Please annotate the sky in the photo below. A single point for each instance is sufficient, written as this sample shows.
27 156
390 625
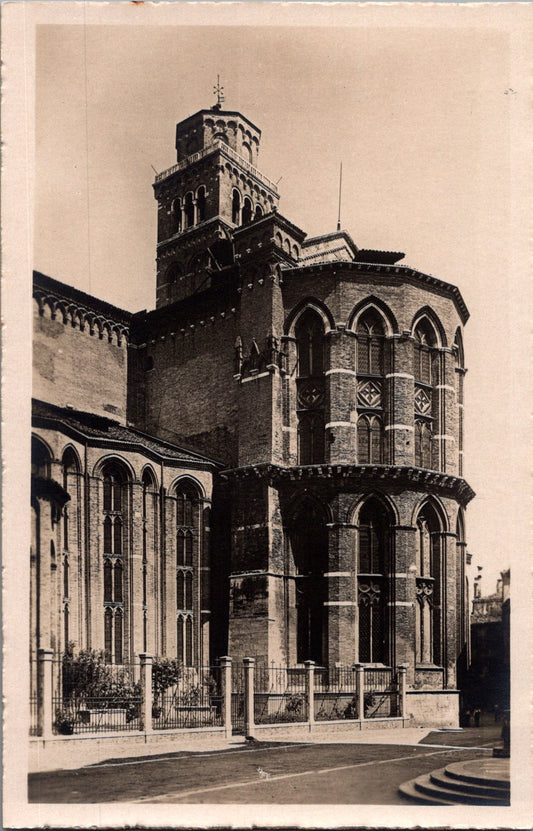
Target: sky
421 117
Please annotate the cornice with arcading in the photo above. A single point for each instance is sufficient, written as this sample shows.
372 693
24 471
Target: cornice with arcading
93 317
361 475
403 272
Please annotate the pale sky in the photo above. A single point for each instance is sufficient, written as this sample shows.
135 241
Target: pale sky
420 117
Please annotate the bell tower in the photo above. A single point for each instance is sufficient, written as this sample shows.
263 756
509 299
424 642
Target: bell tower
213 189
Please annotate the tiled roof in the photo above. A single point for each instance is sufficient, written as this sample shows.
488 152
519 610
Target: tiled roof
100 430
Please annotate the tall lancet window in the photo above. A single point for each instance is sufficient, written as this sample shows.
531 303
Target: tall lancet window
370 387
310 382
426 372
114 515
149 531
373 567
308 538
188 545
459 386
428 579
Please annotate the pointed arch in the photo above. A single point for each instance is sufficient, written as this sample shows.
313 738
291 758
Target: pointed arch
307 544
354 510
70 459
374 564
309 334
459 348
426 317
149 479
431 522
309 303
435 506
380 307
41 457
112 460
186 482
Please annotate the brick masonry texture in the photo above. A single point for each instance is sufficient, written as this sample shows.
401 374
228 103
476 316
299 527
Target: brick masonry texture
216 368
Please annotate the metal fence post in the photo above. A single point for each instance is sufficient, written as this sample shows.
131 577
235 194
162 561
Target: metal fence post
225 677
146 692
44 693
310 684
249 722
402 685
360 690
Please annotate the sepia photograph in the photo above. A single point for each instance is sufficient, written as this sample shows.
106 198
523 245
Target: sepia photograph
266 294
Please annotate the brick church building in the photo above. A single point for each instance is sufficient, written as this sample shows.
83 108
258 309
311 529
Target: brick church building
270 462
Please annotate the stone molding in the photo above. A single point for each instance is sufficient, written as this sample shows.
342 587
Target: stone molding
360 475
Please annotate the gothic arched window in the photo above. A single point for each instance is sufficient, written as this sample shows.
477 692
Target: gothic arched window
428 647
309 546
188 555
426 372
373 567
258 212
114 517
371 344
40 459
425 343
149 532
369 440
310 382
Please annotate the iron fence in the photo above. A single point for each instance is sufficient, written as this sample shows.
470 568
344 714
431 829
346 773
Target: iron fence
335 694
280 695
380 690
94 697
195 700
89 695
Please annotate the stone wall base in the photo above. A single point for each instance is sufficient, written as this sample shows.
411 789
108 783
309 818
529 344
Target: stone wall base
433 708
69 752
264 732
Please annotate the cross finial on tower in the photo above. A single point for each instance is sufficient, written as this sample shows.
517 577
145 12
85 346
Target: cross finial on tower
219 92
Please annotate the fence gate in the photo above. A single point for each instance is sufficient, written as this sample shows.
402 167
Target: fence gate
237 699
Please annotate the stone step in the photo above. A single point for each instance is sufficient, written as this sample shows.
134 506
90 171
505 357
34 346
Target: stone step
475 782
425 785
409 791
493 772
442 778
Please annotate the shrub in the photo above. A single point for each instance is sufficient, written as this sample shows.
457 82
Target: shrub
87 680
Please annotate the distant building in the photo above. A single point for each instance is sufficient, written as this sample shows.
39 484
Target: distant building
270 463
488 679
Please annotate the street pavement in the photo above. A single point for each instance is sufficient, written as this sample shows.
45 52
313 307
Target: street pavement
334 772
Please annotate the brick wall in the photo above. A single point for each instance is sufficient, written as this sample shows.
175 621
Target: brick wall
73 367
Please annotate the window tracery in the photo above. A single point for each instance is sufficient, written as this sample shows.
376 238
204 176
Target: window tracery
370 335
188 542
113 567
372 582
